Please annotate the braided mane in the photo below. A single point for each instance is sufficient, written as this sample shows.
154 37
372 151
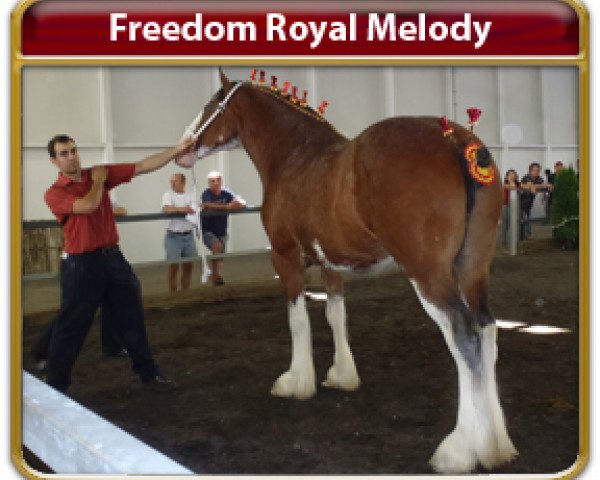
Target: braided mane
307 110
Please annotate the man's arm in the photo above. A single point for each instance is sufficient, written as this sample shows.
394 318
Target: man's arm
172 209
119 211
168 207
91 200
158 160
216 206
235 204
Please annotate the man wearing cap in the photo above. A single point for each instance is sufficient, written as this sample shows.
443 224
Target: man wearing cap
179 237
214 227
93 269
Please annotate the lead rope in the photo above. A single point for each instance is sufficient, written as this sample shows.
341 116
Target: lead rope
191 131
206 271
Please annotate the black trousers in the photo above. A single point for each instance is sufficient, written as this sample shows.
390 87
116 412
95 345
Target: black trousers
87 281
111 345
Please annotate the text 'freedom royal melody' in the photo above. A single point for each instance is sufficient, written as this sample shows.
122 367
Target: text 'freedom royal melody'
379 27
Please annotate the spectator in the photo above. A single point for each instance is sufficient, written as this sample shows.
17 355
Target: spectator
531 184
179 237
551 176
214 227
93 269
511 182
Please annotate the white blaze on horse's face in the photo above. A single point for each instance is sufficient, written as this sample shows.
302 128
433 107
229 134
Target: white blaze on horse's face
221 134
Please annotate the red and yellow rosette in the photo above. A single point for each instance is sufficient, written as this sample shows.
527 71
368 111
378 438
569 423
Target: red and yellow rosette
483 175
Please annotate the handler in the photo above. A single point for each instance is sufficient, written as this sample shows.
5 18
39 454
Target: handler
93 269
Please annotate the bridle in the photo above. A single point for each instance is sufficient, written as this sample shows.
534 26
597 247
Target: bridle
191 129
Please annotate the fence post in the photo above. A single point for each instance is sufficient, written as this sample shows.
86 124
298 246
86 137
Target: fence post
514 218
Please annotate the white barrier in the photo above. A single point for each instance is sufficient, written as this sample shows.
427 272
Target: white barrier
70 439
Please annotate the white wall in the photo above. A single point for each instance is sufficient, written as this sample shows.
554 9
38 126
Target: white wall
122 114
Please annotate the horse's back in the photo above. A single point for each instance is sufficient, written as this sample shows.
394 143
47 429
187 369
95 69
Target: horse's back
406 146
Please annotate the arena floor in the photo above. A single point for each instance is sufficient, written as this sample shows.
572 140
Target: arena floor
226 347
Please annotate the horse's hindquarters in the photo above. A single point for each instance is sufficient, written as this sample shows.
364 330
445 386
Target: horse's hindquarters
410 191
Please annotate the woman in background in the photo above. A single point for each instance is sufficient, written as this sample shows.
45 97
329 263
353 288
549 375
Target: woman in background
511 182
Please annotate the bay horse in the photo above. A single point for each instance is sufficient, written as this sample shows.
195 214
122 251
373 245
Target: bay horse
398 192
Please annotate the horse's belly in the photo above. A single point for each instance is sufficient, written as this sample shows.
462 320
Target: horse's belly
346 257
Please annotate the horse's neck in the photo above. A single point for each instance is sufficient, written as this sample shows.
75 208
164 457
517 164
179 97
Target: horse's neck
274 133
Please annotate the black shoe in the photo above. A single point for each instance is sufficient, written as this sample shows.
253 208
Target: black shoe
160 384
41 366
123 353
219 281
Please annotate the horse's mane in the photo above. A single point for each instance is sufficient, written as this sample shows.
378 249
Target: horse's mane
306 110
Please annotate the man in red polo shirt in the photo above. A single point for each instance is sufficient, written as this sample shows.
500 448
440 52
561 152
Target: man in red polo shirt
93 269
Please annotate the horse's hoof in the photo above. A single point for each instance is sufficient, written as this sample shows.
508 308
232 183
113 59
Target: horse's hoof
504 453
290 385
454 456
348 381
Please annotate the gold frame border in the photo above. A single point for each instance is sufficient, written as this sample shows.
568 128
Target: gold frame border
18 61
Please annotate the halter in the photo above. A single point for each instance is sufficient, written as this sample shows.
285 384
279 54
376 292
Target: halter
191 129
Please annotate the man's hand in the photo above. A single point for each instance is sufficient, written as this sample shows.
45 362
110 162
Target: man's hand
185 143
99 174
119 211
236 204
159 160
90 201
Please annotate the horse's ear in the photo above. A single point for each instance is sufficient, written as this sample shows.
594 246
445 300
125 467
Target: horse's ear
225 83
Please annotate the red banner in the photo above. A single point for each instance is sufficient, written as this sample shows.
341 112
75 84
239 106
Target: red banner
238 29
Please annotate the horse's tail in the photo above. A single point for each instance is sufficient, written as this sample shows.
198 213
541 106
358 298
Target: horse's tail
483 207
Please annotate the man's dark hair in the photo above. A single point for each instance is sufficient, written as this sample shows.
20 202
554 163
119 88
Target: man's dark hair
60 138
534 164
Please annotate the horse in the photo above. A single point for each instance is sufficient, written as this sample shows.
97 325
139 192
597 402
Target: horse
399 192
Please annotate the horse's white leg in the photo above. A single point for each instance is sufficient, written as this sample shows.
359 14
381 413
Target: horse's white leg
505 450
480 434
299 380
342 373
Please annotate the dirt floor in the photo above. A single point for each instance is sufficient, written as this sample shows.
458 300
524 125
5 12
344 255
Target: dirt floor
226 354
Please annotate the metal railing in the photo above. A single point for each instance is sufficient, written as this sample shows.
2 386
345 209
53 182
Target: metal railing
33 224
514 230
515 217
